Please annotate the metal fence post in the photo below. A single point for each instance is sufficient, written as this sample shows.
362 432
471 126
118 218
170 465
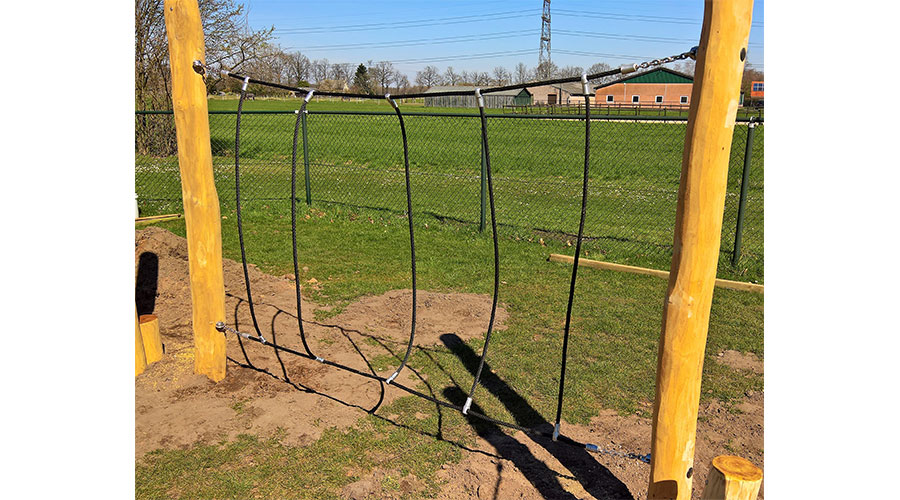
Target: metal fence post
481 219
306 161
742 204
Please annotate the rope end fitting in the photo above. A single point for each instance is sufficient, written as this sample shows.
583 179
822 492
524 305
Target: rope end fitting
592 447
391 378
309 95
465 409
320 360
693 55
393 102
220 326
556 431
628 68
584 84
479 97
246 81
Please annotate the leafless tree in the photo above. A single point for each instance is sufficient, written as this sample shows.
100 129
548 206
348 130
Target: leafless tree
570 71
450 77
229 44
501 76
298 68
599 68
429 77
523 74
321 70
342 71
384 73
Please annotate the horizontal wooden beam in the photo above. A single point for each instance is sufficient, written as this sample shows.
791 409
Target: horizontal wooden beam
609 266
156 218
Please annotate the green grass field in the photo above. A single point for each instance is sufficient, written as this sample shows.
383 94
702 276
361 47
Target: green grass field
356 160
615 329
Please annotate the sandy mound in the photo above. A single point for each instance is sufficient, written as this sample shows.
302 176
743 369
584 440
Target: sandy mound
175 408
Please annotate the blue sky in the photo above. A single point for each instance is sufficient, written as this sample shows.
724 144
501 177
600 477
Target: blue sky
479 35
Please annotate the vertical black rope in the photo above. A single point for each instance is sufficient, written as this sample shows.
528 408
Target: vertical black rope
584 196
300 115
490 183
240 227
412 240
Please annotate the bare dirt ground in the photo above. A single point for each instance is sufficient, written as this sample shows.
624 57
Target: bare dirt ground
176 409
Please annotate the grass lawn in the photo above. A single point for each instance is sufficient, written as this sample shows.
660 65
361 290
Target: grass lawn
616 323
356 160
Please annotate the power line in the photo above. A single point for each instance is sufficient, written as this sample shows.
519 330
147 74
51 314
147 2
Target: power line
419 23
635 17
639 38
420 41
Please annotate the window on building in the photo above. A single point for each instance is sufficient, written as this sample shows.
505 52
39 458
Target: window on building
684 99
609 98
659 99
758 87
635 98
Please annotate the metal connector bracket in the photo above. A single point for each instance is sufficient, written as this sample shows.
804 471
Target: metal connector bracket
628 68
391 378
479 97
584 84
465 409
592 447
246 81
320 360
555 431
393 102
309 95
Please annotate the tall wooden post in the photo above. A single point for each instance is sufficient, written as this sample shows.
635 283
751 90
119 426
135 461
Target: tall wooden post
201 203
698 229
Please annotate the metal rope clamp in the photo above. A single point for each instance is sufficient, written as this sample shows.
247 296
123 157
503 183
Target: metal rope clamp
393 102
246 81
584 84
480 105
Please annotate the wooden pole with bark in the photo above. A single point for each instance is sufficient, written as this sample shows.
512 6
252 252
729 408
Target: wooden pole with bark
201 203
698 229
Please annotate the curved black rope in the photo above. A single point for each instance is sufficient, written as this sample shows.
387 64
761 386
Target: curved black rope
240 226
584 196
490 185
300 115
446 404
412 241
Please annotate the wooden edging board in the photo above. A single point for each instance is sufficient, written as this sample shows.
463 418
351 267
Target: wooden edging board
733 285
156 218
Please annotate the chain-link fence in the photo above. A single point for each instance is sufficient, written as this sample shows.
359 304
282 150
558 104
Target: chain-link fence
356 159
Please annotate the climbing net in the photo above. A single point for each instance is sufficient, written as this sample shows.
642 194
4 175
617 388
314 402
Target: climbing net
478 93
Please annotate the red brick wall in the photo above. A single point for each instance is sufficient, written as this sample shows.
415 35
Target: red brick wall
622 92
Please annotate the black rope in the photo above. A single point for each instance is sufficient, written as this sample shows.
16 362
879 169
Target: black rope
584 196
240 227
412 240
300 115
490 185
488 90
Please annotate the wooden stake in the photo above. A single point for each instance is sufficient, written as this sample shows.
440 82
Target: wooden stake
732 478
698 230
153 348
201 203
609 266
140 361
156 218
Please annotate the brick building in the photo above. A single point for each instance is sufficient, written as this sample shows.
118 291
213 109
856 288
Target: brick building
658 87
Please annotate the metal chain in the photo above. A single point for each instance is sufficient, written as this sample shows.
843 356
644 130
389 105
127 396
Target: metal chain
692 54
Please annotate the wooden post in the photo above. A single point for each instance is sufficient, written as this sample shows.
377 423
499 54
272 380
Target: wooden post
698 230
201 203
732 478
153 349
140 361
